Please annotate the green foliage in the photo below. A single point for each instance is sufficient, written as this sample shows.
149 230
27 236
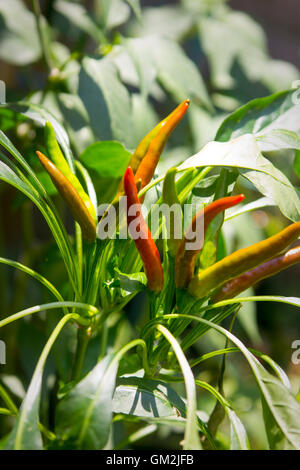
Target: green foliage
122 360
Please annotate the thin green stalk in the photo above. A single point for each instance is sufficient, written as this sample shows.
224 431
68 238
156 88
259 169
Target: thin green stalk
40 308
42 36
35 275
191 438
8 401
83 336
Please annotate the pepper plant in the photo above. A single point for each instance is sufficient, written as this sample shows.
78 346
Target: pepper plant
127 316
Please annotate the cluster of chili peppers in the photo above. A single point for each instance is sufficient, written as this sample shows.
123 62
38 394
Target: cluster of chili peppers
226 278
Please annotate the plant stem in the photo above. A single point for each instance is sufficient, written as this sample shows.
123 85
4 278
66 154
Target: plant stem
83 336
41 32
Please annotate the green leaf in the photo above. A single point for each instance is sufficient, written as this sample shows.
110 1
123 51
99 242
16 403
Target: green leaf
109 161
278 139
136 7
106 100
39 114
243 153
168 64
10 177
236 48
171 21
25 433
19 41
281 409
84 415
262 117
297 164
133 282
146 398
79 17
238 435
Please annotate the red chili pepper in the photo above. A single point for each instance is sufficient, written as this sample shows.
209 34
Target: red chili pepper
186 258
269 268
144 243
149 162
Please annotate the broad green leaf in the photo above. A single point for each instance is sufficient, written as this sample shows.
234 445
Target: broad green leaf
117 13
25 433
19 41
281 409
136 7
277 113
144 117
236 48
106 100
171 21
278 139
251 206
146 398
108 160
78 16
167 63
84 415
76 121
238 435
129 283
243 153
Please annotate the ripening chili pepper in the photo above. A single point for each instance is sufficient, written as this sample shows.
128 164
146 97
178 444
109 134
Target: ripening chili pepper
143 146
242 261
170 197
71 197
146 168
144 242
61 163
269 268
186 258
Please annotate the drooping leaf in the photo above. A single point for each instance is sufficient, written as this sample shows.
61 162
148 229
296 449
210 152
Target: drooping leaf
19 41
106 100
262 117
146 398
243 153
84 415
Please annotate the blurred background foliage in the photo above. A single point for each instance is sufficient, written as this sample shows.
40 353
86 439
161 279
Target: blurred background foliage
109 70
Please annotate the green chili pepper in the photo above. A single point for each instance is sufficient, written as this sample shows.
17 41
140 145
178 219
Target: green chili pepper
71 197
186 258
61 163
170 197
144 242
263 271
242 261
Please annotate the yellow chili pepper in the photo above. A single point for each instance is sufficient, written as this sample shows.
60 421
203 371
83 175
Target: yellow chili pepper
71 197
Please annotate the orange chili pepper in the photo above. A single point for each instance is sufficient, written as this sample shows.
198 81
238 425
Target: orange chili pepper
146 168
186 258
269 268
72 198
144 243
